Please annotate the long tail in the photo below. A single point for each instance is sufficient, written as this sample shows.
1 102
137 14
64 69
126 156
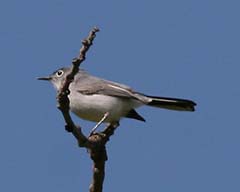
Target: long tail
172 103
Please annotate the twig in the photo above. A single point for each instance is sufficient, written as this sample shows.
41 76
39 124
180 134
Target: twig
96 142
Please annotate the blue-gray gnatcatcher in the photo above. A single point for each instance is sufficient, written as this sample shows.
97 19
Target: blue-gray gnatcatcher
91 98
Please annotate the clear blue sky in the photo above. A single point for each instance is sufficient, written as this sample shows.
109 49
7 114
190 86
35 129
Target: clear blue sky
187 49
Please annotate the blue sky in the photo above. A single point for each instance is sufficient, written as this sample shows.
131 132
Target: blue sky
187 49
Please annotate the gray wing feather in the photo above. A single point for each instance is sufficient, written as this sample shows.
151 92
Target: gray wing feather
88 85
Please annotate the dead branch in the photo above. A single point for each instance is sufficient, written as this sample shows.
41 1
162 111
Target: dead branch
96 142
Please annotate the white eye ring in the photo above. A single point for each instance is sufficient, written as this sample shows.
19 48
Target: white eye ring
59 73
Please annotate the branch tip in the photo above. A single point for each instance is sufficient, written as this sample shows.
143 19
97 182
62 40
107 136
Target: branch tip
96 29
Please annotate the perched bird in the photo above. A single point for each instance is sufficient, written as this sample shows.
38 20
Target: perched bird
95 99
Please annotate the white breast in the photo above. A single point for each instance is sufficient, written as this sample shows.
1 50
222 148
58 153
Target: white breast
93 107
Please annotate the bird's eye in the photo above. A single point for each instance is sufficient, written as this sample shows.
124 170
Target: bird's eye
59 73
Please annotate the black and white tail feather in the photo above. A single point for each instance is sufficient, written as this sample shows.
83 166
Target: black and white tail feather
165 103
172 103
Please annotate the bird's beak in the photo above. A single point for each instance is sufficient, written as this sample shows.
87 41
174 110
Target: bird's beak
44 78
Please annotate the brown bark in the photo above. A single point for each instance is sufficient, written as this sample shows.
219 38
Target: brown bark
96 142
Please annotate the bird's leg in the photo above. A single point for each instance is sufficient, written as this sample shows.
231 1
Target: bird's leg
105 116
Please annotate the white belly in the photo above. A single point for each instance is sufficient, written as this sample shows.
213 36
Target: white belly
93 107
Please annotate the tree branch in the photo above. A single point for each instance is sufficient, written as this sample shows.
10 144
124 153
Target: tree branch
96 142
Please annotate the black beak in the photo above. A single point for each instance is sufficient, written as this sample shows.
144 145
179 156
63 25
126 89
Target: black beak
44 78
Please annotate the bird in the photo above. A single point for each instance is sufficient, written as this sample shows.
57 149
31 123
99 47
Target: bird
99 100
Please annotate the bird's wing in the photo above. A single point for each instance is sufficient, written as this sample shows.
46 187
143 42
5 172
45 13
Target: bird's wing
104 87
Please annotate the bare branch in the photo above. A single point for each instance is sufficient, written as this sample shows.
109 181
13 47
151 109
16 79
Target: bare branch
96 142
99 156
62 96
